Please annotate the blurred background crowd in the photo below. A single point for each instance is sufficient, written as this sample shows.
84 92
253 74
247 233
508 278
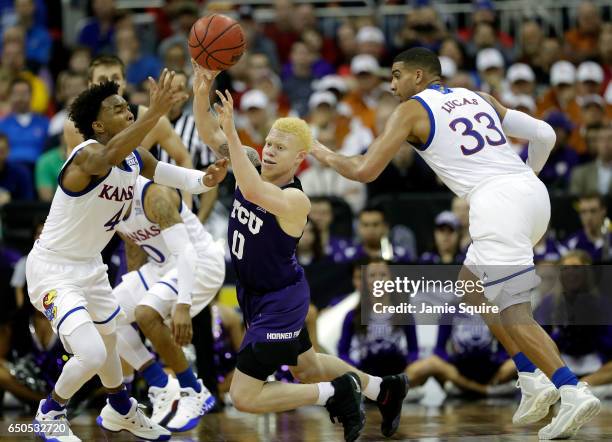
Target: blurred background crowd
329 63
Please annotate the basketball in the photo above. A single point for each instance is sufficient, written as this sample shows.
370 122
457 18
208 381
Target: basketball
216 42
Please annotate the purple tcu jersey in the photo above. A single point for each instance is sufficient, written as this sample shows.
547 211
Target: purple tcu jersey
262 253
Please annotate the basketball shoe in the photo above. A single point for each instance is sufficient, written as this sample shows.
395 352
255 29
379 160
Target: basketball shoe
393 390
162 400
134 422
53 426
345 405
538 393
578 406
191 407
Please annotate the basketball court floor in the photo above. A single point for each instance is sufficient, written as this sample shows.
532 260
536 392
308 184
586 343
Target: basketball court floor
454 420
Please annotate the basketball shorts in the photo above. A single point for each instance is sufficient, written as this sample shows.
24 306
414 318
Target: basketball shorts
508 216
70 293
275 330
157 287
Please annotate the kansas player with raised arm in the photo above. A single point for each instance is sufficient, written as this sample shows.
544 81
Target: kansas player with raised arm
67 280
461 134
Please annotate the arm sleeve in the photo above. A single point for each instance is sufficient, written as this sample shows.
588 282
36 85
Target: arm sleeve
189 180
541 136
177 240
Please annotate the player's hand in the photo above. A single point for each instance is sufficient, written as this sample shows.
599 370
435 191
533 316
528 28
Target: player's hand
202 79
215 173
162 95
320 152
225 111
182 331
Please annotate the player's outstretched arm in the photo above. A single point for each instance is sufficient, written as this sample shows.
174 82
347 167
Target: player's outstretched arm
161 206
206 121
367 167
290 204
540 135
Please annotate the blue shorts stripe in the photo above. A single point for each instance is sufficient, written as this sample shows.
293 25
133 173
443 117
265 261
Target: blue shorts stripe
143 280
68 314
497 281
165 283
115 313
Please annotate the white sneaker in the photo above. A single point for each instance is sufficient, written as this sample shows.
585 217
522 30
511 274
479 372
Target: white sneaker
134 421
538 393
163 398
578 406
191 407
53 426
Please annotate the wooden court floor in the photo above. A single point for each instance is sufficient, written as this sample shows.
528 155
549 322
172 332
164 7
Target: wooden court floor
483 420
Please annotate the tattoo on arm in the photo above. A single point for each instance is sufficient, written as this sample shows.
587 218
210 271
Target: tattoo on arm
161 206
223 150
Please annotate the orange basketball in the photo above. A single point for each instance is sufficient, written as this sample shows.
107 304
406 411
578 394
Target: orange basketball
216 42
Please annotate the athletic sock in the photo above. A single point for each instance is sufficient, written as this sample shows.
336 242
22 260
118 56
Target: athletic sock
564 376
155 375
187 379
372 390
523 364
120 401
326 390
51 404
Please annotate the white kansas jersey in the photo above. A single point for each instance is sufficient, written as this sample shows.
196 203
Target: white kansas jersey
148 235
466 144
80 224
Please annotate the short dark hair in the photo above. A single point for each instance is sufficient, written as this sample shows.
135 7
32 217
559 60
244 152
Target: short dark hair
105 60
86 107
374 209
593 196
20 80
420 58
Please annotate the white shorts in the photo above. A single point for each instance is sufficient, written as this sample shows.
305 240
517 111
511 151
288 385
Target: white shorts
70 293
508 216
157 287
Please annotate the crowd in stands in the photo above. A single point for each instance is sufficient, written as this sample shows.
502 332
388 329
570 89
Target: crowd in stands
335 74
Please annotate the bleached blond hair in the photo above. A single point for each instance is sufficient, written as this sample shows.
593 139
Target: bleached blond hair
297 127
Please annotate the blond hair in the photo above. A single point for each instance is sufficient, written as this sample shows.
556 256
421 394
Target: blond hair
297 127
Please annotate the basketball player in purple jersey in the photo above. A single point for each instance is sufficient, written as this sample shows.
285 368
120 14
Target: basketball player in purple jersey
268 217
461 134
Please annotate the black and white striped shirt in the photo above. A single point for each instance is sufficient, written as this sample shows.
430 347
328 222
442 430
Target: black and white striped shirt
201 155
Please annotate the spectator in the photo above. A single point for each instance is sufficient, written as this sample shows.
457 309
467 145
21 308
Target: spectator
257 120
490 66
550 53
592 116
346 40
380 348
322 215
138 66
5 86
37 38
13 61
605 53
449 69
69 86
595 176
373 239
423 27
484 13
563 158
14 178
79 61
26 130
581 41
176 57
594 237
309 248
371 40
485 38
446 241
182 16
461 209
532 38
454 50
314 41
363 100
521 79
547 249
257 42
589 77
47 170
97 32
297 85
282 31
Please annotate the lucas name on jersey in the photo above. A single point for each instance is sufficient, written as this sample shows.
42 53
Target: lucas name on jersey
114 193
246 217
450 105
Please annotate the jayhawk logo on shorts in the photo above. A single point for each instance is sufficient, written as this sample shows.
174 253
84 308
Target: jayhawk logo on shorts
50 308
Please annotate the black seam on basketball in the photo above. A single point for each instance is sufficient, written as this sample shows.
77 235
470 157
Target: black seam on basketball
228 49
200 54
220 34
216 59
212 17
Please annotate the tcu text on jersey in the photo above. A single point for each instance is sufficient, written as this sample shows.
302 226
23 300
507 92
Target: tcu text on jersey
246 217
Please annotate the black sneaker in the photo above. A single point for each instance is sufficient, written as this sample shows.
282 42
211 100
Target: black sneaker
393 390
345 405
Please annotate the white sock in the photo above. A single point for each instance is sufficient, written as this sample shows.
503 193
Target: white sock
129 378
326 390
373 389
